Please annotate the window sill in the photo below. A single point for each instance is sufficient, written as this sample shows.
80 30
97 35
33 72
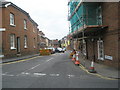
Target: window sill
12 25
13 48
25 29
25 47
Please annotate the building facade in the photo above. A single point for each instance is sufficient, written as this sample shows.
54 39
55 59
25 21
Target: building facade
95 30
19 31
55 43
42 40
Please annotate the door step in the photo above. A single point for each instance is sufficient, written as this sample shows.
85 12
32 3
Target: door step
18 55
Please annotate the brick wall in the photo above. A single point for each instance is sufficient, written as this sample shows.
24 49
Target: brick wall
19 31
110 37
110 15
110 18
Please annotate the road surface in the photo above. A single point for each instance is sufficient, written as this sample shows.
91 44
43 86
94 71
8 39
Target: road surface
54 71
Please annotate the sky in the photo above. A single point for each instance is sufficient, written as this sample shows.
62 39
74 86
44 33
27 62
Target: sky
50 15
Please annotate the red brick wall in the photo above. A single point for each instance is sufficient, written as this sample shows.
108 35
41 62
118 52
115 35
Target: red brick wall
110 18
110 15
19 31
110 37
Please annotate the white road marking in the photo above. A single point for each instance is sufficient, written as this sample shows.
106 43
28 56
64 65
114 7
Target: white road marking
25 73
54 75
69 76
39 64
5 74
40 74
49 59
10 75
35 66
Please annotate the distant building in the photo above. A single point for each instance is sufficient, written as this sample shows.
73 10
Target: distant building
55 43
95 30
42 40
19 31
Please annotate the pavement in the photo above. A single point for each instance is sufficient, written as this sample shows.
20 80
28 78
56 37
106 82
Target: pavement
101 69
18 58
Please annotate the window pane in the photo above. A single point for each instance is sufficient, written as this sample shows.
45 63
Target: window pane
25 41
25 24
12 41
11 19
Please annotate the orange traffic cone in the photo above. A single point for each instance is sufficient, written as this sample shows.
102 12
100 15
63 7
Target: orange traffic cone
73 58
77 62
92 69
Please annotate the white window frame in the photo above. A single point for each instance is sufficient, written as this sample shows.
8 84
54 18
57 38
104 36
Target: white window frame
12 19
12 41
100 49
25 24
25 42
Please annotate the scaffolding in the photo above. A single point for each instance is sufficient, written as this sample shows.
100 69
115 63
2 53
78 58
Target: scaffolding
84 14
84 17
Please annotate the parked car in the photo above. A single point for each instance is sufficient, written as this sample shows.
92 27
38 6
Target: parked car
59 50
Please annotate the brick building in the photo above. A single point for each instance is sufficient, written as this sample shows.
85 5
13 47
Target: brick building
19 31
95 30
55 43
42 38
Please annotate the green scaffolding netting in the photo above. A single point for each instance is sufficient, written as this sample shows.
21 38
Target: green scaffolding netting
88 13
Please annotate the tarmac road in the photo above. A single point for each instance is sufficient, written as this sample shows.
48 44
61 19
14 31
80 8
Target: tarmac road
55 71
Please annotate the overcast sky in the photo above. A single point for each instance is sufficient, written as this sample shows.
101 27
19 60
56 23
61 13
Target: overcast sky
51 15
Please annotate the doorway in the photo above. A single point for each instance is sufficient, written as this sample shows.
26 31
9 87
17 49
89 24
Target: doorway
18 45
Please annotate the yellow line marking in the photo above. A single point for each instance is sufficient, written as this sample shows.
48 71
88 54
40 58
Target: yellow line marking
103 77
20 60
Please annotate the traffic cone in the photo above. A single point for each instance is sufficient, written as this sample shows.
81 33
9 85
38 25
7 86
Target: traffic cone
92 69
77 62
73 58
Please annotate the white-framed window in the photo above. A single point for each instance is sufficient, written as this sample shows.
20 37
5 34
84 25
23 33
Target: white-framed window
100 50
12 19
25 41
12 41
25 24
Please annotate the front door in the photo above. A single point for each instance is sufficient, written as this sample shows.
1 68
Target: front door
18 45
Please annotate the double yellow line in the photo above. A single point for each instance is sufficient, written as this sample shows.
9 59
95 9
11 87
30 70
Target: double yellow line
20 60
95 74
